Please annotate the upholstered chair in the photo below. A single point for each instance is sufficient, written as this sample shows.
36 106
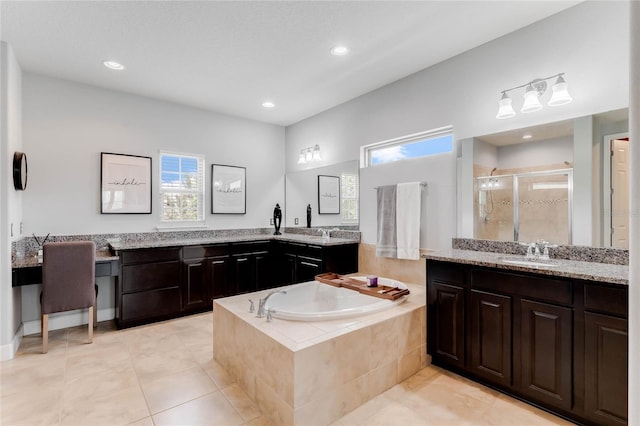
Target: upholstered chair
68 277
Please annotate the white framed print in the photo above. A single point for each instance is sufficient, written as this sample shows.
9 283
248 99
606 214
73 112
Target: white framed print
228 189
125 182
328 194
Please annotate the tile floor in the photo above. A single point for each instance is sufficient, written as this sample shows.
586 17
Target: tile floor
164 374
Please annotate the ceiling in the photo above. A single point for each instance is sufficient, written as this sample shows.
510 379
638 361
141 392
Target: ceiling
231 56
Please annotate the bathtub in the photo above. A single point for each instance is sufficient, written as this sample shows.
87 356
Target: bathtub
314 301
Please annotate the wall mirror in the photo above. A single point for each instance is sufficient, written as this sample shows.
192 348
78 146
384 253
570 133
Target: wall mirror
301 190
519 184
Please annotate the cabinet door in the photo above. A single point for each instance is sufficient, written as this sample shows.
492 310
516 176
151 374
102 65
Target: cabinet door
264 276
307 268
288 272
446 323
546 356
194 284
606 367
219 285
491 337
244 273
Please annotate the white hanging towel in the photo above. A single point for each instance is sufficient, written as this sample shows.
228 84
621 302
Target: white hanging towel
408 220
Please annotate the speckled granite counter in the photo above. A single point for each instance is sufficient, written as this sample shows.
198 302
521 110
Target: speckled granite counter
297 238
592 271
26 262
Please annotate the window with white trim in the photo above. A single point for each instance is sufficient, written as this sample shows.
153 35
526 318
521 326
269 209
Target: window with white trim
181 188
349 197
431 142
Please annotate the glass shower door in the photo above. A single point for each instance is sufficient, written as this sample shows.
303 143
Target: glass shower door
544 207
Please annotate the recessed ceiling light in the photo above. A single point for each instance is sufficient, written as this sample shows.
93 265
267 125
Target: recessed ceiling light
339 50
527 136
268 104
113 65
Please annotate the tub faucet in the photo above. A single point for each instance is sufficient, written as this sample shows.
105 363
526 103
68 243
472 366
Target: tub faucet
263 302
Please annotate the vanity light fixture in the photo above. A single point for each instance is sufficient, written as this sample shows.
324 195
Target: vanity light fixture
113 65
532 94
310 154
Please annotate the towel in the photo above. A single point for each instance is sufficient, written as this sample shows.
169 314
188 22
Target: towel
386 243
408 220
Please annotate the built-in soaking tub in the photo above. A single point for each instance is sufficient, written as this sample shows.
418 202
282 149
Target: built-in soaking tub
314 301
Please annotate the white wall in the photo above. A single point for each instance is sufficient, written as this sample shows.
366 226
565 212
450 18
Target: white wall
10 199
67 125
583 41
539 153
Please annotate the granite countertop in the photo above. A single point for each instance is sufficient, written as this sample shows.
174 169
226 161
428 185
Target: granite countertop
591 271
297 238
25 262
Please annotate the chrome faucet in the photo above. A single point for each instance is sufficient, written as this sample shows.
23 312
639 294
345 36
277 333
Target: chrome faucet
263 302
325 233
539 250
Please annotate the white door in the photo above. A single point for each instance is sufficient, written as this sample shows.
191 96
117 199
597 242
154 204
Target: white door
620 193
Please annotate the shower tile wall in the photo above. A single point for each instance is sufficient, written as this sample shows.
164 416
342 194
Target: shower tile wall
543 213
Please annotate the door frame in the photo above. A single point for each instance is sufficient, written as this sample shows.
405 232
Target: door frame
606 185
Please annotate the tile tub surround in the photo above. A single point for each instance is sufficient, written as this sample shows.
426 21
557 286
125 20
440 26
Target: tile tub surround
590 271
578 253
302 372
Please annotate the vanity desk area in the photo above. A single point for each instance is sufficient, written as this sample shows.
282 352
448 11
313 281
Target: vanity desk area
552 332
163 275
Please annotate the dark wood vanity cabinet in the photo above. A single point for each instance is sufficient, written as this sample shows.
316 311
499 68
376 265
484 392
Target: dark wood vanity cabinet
606 353
446 314
159 283
299 262
205 275
149 285
558 343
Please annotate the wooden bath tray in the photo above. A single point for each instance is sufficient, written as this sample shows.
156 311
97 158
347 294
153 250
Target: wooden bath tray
381 291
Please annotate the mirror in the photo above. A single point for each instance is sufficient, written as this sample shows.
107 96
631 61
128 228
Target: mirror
524 185
301 190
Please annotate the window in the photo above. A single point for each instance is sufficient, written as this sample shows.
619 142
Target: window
349 197
418 145
182 187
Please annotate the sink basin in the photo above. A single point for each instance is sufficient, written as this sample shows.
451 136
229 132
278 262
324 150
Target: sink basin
526 262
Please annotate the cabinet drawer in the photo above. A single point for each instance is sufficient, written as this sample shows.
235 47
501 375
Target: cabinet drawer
199 252
149 276
543 289
306 250
150 304
250 247
150 255
609 300
446 272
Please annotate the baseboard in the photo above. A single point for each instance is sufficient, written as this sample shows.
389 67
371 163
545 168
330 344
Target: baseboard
68 319
9 350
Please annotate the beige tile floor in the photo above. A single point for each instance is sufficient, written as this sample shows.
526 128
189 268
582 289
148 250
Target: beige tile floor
164 374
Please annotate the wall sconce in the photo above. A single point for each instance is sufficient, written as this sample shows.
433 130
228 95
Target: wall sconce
310 154
534 90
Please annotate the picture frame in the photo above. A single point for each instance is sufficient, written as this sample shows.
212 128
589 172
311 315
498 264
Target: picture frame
125 184
328 194
228 189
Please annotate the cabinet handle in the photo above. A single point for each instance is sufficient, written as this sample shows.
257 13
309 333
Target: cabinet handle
310 264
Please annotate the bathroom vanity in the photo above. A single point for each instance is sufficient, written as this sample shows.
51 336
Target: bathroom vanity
161 279
555 336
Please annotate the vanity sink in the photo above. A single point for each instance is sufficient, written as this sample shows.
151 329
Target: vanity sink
523 261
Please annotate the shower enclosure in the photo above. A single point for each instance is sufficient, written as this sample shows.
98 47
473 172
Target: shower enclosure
524 206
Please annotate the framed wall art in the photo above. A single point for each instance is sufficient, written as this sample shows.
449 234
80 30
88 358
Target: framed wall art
328 194
125 182
228 189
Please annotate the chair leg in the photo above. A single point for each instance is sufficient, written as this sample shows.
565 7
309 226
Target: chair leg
91 310
95 309
44 327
